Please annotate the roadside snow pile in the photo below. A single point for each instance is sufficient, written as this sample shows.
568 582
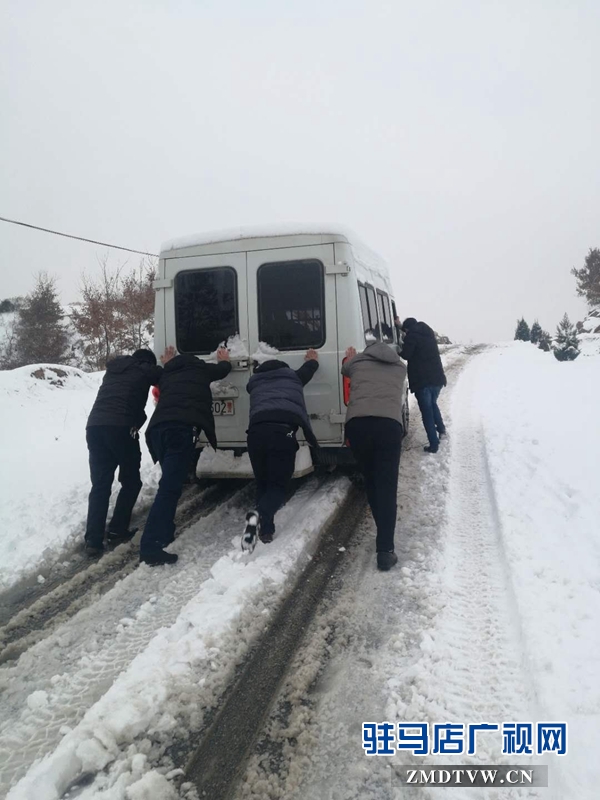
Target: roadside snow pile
44 470
539 425
542 439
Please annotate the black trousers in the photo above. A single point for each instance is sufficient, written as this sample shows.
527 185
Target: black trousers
173 445
376 443
111 446
272 448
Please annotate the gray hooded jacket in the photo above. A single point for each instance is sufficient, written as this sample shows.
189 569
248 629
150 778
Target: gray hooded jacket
377 383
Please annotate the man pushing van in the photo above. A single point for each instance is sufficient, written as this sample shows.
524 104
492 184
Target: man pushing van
182 412
277 410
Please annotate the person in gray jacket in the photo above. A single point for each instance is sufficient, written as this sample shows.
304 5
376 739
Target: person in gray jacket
374 431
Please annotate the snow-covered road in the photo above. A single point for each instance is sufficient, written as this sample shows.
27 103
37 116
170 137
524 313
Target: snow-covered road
467 630
489 617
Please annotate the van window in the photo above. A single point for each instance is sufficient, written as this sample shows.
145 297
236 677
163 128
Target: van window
399 337
387 334
205 308
291 305
364 307
368 306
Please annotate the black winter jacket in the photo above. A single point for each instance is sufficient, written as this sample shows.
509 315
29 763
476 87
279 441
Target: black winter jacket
122 396
185 394
276 395
424 363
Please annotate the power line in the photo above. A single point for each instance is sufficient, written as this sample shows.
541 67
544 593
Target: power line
79 238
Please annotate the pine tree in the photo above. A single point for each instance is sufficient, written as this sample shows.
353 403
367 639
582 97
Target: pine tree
566 347
40 336
588 277
536 331
545 341
522 331
7 306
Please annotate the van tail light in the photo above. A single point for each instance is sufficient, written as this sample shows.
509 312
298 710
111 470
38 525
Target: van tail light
346 385
155 393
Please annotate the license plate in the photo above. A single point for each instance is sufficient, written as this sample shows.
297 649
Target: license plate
222 407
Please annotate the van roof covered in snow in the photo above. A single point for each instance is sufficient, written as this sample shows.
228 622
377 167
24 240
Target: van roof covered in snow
259 237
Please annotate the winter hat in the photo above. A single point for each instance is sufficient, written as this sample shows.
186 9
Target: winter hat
146 356
409 323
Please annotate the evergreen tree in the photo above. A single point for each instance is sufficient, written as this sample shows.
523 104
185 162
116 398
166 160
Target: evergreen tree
40 334
545 341
7 306
536 331
522 331
566 347
588 277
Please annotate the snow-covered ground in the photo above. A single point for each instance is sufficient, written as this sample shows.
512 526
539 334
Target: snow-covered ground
491 615
44 470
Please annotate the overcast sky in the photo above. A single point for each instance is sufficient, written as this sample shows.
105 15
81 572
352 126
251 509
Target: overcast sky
461 139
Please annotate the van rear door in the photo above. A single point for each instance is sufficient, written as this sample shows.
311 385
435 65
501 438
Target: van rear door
292 307
206 304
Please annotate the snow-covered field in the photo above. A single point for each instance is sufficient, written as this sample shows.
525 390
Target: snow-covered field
491 615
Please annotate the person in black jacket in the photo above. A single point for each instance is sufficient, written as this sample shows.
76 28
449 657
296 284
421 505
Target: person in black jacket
425 376
113 441
184 409
277 410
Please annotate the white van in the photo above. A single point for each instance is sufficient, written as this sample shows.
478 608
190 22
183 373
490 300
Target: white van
278 290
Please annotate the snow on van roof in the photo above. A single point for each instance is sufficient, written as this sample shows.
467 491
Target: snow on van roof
370 266
259 232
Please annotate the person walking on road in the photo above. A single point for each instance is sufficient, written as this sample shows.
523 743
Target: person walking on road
374 432
277 410
184 409
112 435
426 377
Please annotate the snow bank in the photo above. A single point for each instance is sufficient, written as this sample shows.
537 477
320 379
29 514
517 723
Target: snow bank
539 421
543 446
44 470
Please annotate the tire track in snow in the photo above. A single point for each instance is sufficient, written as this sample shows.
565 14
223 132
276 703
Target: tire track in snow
473 665
68 566
91 579
309 748
54 683
437 641
191 661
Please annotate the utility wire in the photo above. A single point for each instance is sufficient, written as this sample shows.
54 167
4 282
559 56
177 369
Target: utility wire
79 238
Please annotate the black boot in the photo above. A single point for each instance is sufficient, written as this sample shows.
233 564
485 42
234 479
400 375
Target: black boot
93 548
156 558
113 538
386 561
